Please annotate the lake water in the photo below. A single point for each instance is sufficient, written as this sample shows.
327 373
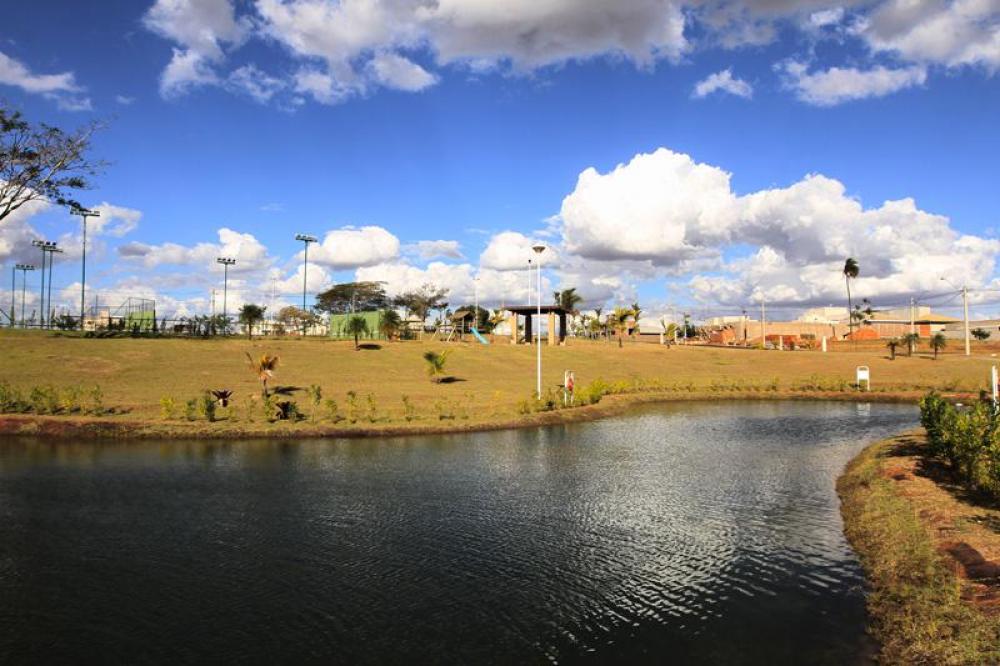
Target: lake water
684 533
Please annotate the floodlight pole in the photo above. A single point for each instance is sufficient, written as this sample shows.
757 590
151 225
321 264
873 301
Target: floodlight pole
41 295
538 339
226 263
24 268
13 298
52 252
306 240
84 213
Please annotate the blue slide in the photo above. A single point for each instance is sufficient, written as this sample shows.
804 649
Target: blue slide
479 336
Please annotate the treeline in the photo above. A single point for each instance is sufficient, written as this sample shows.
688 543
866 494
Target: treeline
967 438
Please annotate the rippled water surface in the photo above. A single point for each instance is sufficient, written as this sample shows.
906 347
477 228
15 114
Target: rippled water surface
689 533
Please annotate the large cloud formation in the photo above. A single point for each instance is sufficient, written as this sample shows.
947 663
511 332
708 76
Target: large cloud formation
345 48
664 208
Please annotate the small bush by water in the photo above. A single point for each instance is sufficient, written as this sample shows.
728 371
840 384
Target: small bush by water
967 439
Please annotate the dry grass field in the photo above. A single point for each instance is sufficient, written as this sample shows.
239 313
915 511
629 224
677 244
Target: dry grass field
491 383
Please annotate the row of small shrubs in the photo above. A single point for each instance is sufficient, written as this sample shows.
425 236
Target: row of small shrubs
354 408
966 438
50 399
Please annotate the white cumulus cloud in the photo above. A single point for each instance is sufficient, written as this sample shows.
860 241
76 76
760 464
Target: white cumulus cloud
351 247
723 81
843 84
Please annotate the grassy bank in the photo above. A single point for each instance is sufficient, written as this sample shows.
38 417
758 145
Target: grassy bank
914 534
491 386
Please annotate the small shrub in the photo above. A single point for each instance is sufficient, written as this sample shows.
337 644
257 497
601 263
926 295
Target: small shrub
96 397
287 410
250 408
409 411
207 406
191 409
71 399
168 408
11 399
267 408
353 408
315 394
44 400
372 408
332 410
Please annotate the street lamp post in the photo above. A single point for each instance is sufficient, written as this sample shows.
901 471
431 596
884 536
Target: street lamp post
538 336
306 240
24 268
13 301
84 213
52 252
226 263
47 247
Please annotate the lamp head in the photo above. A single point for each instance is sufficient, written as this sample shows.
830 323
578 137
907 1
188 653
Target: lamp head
538 248
306 238
228 261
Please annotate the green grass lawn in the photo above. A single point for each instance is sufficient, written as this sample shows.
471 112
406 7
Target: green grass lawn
491 382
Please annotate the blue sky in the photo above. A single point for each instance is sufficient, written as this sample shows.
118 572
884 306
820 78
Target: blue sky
470 124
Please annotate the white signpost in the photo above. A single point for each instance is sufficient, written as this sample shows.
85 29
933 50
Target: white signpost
864 375
993 384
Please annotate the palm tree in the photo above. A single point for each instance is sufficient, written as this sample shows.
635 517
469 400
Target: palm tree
911 340
390 324
263 367
357 326
435 364
851 271
636 311
938 342
568 299
619 319
892 345
496 318
250 315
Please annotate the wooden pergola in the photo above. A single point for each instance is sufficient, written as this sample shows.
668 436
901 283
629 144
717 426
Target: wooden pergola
529 311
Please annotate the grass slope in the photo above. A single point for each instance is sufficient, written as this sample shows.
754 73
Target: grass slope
918 613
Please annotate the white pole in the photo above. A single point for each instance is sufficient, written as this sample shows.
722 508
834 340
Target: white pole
965 306
763 324
993 384
538 335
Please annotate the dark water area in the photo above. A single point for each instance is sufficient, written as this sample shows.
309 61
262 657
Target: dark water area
685 533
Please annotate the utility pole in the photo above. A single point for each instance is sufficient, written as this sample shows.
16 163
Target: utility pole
41 294
24 268
84 213
913 323
306 239
226 263
538 339
763 323
965 307
213 301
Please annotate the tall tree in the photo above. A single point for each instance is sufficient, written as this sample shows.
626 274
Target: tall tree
250 316
420 302
297 319
42 163
851 271
352 297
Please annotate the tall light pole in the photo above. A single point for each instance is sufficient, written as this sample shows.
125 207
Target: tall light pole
226 263
13 302
475 287
24 268
47 247
306 239
84 213
52 255
538 339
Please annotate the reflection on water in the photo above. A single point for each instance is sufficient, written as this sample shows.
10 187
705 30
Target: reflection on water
686 533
